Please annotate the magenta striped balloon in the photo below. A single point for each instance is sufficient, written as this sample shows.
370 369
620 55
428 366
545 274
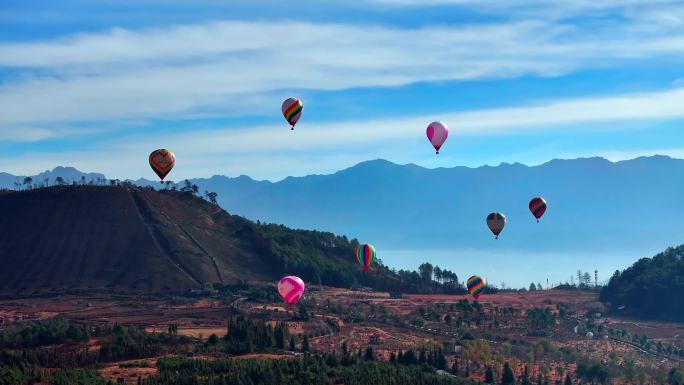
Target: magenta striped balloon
291 288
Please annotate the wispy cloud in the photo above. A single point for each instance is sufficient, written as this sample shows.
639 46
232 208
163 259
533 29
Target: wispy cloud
116 81
274 152
225 67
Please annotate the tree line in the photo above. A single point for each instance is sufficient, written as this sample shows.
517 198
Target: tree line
650 288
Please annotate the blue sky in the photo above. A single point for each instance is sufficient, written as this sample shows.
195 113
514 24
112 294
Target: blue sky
98 85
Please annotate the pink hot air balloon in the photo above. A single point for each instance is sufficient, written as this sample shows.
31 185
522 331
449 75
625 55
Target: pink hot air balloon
437 133
291 288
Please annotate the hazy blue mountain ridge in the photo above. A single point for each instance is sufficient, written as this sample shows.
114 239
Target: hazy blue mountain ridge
594 204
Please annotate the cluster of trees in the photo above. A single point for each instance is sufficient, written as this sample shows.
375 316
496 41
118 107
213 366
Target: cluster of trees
675 376
192 189
325 258
593 372
29 183
187 186
117 343
644 342
28 374
540 319
584 279
651 288
536 287
434 357
247 336
312 369
43 333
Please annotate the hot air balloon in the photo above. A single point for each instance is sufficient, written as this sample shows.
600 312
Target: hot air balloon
476 285
538 207
437 133
590 335
365 255
162 161
291 288
292 110
496 223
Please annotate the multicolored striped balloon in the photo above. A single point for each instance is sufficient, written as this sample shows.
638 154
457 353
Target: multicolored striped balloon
538 207
365 255
291 288
162 161
437 133
496 223
292 110
476 285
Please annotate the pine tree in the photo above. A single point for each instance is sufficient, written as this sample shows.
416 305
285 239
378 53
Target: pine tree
507 377
526 377
369 354
489 375
568 379
305 344
293 347
440 360
454 368
423 356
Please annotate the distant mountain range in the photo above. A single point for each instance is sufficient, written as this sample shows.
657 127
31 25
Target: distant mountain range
595 205
69 174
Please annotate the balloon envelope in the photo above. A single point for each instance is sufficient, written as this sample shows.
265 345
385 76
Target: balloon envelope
437 133
162 161
476 285
291 288
292 110
590 335
365 255
496 223
538 207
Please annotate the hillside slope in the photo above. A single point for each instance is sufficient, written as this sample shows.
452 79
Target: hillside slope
651 288
128 238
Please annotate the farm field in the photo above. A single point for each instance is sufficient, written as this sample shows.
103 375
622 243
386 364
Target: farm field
474 335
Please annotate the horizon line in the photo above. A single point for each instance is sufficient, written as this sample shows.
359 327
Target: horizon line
486 165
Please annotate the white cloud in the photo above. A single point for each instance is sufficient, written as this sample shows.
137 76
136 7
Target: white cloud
274 152
552 115
229 68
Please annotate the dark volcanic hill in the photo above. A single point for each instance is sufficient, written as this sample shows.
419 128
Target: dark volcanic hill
126 238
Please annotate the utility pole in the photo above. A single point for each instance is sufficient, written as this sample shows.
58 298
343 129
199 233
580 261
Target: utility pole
595 278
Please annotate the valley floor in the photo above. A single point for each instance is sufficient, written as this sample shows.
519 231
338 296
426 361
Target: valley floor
545 334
